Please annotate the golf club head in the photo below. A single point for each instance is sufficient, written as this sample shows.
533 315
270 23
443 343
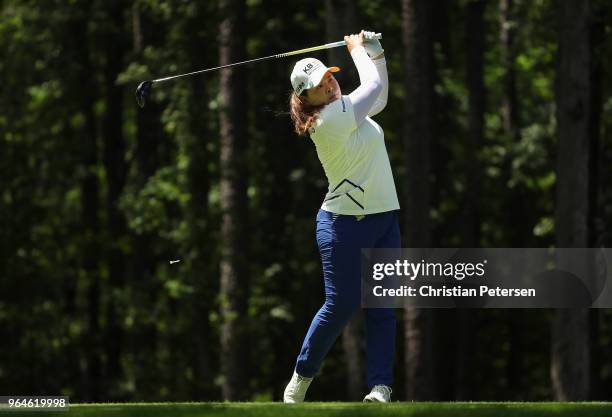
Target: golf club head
142 92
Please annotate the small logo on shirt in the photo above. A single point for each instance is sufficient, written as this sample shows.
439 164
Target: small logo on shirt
343 105
346 193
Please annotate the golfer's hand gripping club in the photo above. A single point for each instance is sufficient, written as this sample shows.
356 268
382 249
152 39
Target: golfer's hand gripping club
372 44
144 88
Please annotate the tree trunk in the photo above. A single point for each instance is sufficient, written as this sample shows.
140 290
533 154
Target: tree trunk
418 329
116 170
444 128
339 21
90 199
509 107
470 238
233 165
352 337
601 15
515 197
198 215
149 136
570 358
518 217
444 132
476 108
418 117
515 372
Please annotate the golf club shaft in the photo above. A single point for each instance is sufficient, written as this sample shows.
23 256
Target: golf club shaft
283 55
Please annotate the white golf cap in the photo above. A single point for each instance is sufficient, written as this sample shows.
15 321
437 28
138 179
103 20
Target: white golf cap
308 73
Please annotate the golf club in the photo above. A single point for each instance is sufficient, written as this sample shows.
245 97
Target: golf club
144 88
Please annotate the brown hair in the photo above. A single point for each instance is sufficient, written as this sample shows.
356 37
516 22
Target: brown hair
302 113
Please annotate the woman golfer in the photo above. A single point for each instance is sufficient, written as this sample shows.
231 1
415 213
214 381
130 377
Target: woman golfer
360 209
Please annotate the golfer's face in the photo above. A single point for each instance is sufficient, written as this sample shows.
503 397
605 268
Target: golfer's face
327 91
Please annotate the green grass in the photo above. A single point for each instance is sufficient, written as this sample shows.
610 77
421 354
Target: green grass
416 409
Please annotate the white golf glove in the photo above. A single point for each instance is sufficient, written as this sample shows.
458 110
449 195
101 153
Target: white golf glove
372 45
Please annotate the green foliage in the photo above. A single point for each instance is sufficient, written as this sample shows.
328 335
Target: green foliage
88 295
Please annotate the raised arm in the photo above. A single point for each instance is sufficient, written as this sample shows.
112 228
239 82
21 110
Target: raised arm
375 51
381 100
364 96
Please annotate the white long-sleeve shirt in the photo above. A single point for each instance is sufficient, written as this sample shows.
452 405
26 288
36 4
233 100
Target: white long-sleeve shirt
351 146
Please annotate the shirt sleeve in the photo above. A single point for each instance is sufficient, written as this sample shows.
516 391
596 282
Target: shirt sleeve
364 96
381 100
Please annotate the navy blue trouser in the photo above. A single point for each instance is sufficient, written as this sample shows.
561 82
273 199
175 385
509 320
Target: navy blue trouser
340 239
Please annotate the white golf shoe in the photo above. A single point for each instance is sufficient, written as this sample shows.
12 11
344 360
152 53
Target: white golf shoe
296 389
379 394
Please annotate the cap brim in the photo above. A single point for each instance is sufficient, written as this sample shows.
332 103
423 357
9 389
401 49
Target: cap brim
319 75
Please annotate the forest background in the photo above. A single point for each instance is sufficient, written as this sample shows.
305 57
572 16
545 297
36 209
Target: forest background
498 127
